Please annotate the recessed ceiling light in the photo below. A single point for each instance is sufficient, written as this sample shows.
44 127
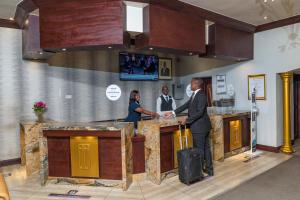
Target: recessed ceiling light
265 17
110 47
41 53
64 49
266 1
191 53
151 48
12 19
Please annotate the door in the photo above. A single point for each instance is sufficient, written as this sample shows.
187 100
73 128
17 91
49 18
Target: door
207 87
296 105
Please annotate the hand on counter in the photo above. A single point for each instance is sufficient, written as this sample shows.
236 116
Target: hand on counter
155 115
168 115
183 122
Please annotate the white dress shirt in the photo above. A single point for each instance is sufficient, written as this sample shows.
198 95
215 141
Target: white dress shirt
195 92
158 104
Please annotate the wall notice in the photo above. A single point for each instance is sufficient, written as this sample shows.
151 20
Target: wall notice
113 92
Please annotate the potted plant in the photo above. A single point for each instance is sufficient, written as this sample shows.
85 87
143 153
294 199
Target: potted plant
39 109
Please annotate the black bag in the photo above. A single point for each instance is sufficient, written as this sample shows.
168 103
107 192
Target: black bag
189 163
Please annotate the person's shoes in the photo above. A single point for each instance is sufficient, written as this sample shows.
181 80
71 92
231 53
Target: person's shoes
208 172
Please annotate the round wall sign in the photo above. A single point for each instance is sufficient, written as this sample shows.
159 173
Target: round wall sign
113 92
188 90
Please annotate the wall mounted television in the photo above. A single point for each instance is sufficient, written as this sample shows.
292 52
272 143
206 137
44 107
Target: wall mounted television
138 67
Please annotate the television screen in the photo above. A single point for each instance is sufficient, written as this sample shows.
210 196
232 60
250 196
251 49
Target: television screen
138 67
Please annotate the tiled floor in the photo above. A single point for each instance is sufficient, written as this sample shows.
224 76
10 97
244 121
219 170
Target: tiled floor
228 174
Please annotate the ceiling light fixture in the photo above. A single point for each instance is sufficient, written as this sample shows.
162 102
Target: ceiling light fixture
64 49
265 17
191 53
41 53
109 47
151 48
11 19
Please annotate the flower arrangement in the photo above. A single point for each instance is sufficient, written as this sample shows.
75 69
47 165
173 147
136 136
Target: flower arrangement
39 108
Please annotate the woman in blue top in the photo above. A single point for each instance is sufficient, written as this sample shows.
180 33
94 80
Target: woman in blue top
135 110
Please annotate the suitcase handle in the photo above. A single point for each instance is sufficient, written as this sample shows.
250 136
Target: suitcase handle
180 136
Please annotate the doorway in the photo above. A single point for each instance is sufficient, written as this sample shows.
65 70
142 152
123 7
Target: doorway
207 87
296 89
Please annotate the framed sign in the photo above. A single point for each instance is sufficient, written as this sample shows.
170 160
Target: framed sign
259 83
165 68
221 84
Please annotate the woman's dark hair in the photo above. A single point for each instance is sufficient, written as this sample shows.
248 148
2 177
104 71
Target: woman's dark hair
133 95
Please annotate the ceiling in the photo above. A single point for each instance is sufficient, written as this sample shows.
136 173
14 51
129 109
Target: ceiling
254 12
8 8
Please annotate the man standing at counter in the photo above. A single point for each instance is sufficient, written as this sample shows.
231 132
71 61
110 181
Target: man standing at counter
199 122
165 102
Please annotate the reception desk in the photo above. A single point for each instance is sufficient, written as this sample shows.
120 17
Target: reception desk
90 153
230 135
83 153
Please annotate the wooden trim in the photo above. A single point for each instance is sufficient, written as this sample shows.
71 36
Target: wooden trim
278 24
6 23
169 129
201 13
138 138
268 148
69 133
14 161
27 6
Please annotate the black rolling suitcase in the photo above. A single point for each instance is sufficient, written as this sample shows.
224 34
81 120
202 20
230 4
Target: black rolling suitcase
189 163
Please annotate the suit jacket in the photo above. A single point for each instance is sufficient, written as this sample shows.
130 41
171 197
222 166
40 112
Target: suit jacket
198 118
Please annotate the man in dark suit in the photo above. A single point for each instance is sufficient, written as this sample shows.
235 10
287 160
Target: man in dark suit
199 122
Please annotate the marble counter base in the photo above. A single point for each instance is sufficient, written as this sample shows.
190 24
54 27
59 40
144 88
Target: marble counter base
29 140
217 137
236 152
127 160
86 182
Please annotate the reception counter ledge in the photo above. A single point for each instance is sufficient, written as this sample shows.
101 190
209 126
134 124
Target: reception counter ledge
79 153
230 133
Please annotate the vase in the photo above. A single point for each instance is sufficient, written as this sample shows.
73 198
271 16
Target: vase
40 117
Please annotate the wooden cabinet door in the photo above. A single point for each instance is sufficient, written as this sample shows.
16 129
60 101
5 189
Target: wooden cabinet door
110 158
166 152
59 157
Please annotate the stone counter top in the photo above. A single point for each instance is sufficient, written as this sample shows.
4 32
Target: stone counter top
173 122
232 114
164 122
85 126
